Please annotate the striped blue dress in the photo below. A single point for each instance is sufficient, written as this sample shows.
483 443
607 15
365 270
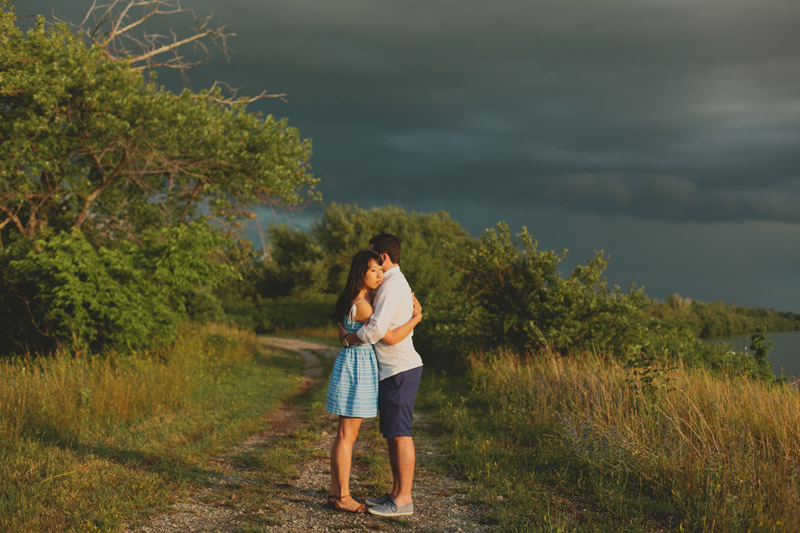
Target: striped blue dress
353 388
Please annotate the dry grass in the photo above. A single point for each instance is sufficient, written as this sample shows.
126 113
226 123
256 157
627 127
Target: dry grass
88 442
719 453
76 392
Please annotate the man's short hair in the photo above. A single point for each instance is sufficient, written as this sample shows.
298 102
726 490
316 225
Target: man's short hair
385 243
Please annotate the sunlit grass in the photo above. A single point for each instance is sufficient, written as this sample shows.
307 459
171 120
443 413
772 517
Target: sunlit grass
692 449
87 442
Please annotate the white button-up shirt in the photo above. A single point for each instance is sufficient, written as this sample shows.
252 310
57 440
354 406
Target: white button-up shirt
393 306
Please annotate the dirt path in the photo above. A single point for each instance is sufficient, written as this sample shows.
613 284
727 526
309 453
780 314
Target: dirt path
440 501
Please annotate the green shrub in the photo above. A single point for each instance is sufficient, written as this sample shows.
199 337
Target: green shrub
302 273
512 295
66 290
289 313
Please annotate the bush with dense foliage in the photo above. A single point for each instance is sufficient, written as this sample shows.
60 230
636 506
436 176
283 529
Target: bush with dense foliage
64 289
107 184
303 272
512 295
496 291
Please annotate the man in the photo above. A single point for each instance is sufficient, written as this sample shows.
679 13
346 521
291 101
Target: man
399 373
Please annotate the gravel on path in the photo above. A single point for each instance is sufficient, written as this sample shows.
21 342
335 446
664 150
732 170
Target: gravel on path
441 502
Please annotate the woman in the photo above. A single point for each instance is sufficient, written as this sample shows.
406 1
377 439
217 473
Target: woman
353 388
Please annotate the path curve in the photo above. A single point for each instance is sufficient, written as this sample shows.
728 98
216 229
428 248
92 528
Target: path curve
441 501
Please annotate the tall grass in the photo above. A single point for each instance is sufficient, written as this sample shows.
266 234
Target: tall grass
87 441
70 394
687 449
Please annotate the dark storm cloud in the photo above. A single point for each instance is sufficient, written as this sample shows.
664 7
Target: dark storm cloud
663 131
654 109
667 109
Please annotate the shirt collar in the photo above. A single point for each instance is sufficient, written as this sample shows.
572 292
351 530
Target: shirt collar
391 272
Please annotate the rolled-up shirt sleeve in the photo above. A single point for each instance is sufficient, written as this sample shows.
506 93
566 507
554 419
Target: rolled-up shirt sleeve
386 303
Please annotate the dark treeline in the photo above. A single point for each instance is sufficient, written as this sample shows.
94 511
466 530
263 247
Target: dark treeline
480 294
718 319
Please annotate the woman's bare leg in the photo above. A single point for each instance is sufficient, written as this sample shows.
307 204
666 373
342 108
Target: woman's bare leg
342 458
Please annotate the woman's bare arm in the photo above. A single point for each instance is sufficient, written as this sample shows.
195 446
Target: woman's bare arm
363 311
393 336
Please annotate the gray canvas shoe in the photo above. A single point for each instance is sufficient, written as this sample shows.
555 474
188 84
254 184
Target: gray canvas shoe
380 500
390 508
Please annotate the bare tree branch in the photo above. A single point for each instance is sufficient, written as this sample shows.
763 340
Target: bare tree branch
191 200
117 31
14 217
88 13
168 47
112 26
234 99
107 180
33 319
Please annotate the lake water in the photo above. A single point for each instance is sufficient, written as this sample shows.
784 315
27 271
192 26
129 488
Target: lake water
785 354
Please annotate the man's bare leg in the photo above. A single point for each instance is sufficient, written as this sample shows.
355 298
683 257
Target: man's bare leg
393 464
403 459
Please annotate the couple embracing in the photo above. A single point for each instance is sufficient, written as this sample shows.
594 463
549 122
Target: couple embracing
377 370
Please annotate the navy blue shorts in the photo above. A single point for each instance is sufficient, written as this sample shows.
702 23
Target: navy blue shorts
396 395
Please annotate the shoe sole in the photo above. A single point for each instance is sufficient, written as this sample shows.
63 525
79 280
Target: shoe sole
370 511
405 513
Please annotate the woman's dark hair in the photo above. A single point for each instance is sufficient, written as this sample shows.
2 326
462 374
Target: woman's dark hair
358 268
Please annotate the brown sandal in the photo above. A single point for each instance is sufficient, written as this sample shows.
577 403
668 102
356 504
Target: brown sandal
335 503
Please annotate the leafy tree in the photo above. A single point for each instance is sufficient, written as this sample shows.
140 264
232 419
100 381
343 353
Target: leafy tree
303 272
512 295
761 348
88 142
296 264
64 289
318 261
108 182
344 229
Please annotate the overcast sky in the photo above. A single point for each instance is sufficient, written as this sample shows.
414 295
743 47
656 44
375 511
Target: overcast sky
665 132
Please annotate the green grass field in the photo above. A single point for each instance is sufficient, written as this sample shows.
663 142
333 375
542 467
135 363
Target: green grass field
565 444
87 442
